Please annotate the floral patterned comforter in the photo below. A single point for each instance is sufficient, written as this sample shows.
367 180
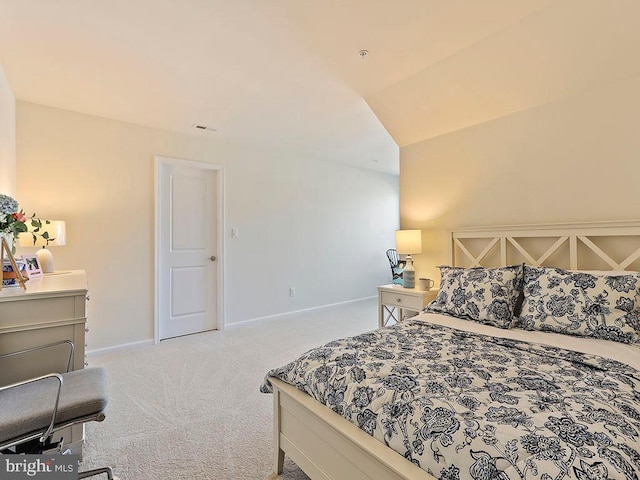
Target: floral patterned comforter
470 406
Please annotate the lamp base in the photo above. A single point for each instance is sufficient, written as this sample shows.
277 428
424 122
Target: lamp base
409 274
45 259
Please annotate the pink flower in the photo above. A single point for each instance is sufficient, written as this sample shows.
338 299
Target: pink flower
19 217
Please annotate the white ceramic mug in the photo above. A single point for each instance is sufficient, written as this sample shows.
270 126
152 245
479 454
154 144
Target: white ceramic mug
426 284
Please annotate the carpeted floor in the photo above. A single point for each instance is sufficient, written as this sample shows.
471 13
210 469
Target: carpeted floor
190 408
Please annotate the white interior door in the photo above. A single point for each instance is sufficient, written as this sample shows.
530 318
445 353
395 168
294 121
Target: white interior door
187 262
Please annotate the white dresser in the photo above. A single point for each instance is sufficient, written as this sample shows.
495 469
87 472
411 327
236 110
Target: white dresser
52 308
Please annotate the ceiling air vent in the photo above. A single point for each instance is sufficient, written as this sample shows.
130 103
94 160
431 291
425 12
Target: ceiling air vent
200 126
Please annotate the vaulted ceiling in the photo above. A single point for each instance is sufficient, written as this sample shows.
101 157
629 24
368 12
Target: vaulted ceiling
287 73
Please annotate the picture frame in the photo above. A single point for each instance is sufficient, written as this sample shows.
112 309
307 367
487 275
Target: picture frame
5 250
34 269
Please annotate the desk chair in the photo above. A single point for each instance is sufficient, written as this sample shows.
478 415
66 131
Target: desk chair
31 411
397 266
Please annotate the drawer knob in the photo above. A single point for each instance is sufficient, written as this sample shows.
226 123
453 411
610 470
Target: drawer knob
399 300
86 329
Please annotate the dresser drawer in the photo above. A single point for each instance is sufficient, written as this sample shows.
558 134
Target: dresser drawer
40 362
401 300
28 311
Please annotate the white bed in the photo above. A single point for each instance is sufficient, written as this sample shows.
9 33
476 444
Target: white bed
326 446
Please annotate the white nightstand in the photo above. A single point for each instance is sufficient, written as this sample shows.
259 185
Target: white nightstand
393 300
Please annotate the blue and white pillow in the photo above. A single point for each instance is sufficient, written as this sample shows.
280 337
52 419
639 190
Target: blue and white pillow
486 295
584 304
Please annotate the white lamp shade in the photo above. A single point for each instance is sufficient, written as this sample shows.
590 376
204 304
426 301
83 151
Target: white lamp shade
56 229
409 241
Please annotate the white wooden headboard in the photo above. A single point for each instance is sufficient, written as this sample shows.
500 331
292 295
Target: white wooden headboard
584 246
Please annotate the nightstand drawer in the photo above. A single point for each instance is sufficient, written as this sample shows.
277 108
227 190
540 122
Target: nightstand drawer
401 300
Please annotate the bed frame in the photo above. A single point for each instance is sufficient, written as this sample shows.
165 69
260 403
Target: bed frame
328 447
579 246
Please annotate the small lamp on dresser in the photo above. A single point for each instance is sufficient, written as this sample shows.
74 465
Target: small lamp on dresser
52 234
409 242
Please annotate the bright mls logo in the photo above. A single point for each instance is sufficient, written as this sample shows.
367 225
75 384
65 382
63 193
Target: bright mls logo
59 467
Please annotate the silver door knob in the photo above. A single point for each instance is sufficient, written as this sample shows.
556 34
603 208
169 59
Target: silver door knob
213 258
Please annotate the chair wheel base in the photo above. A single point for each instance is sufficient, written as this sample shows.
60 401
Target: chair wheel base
98 471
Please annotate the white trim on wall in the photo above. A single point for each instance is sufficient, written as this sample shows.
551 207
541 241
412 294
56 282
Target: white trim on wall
294 312
220 284
118 348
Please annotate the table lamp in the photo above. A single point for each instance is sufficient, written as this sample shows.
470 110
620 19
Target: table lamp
409 242
56 230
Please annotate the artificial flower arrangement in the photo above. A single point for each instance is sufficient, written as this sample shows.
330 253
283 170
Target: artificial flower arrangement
13 221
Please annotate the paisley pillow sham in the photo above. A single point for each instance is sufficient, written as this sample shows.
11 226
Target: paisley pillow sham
583 304
486 295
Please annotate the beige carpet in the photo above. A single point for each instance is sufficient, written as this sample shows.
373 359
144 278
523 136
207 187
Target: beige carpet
190 408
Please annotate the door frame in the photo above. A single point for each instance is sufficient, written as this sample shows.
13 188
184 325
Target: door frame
219 171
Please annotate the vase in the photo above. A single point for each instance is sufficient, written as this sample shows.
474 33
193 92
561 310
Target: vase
10 242
409 274
8 275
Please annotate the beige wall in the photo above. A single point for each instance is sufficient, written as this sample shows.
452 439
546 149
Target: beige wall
535 123
7 137
317 226
572 160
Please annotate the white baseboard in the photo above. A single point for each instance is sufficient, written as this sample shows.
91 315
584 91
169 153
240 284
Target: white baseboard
116 348
320 307
144 343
